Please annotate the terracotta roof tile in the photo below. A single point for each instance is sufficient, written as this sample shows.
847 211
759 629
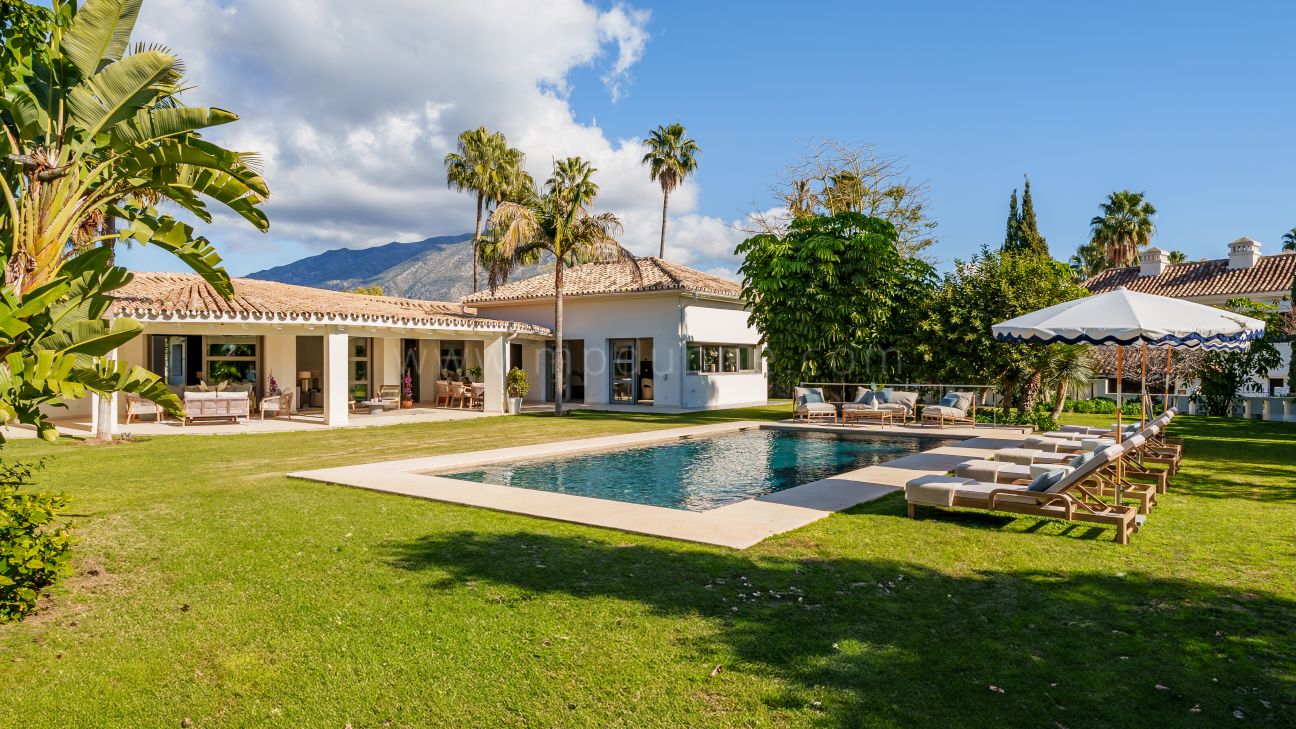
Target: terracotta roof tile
188 296
1271 274
613 278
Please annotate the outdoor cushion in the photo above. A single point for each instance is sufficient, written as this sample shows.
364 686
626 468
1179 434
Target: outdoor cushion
1024 456
812 397
1093 444
1046 481
908 399
204 395
934 489
817 407
862 395
932 410
884 395
1082 459
949 401
982 470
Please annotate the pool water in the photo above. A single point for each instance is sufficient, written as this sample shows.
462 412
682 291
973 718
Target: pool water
699 474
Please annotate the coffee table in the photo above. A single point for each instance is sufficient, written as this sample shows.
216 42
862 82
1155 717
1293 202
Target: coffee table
882 416
377 407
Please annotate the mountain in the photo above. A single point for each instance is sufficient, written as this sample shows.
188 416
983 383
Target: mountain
437 268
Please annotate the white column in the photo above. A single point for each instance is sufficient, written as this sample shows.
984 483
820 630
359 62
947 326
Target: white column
387 362
280 360
494 357
336 375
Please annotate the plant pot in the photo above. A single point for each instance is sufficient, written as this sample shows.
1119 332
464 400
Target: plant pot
515 406
407 404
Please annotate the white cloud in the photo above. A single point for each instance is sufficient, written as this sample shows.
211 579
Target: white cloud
354 106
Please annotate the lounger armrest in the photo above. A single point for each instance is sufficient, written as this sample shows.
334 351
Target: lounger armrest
1042 498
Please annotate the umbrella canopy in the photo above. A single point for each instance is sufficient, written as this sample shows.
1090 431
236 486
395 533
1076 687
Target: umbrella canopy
1129 317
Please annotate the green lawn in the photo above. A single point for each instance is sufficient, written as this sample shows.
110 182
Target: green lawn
211 587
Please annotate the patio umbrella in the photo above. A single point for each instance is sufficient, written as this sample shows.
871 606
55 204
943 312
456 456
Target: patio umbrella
1127 317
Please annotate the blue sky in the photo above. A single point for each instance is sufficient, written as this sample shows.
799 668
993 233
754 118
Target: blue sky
1189 101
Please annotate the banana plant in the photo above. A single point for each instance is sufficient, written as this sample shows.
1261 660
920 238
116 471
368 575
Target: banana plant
94 128
52 344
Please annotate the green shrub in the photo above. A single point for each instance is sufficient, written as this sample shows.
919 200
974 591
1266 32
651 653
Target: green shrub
1104 406
517 383
1082 406
35 543
1041 421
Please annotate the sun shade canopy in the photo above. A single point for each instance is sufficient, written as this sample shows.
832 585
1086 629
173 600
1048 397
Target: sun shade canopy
1130 317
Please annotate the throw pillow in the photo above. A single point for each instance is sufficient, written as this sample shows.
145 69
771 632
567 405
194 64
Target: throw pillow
811 397
1046 481
884 395
861 394
949 401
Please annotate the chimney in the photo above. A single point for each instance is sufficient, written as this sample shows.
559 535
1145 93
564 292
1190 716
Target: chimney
1153 262
1244 253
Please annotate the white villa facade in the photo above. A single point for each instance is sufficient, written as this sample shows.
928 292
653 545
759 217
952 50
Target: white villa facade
329 348
654 333
669 337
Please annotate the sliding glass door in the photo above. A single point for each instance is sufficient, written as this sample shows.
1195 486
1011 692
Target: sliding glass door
624 360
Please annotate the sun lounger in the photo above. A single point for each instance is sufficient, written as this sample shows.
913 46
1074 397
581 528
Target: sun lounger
1057 494
1137 484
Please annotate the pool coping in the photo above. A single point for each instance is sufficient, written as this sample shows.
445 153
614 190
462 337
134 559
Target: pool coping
738 525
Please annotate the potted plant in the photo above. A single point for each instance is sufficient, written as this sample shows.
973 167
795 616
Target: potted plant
517 386
473 374
407 391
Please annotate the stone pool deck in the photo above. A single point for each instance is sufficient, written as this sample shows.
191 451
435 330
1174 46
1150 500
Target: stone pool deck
738 525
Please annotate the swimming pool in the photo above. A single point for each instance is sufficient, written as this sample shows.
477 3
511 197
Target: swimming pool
699 474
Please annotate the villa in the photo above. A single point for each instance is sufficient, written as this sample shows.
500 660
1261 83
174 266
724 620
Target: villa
674 338
651 333
1245 273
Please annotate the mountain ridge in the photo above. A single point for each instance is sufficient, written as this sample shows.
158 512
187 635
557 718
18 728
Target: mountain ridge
437 268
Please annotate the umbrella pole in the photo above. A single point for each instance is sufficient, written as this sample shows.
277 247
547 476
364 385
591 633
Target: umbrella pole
1143 392
1165 404
1120 431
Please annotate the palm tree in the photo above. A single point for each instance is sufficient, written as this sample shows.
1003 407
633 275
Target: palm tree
556 225
1177 257
1289 240
1069 367
671 157
1124 227
1088 261
487 166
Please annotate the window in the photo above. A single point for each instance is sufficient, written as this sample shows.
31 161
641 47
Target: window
358 367
725 358
452 360
231 359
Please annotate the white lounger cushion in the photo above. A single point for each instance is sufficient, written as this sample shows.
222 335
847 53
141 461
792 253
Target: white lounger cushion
934 490
817 407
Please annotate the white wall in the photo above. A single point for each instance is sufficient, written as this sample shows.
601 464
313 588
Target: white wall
668 319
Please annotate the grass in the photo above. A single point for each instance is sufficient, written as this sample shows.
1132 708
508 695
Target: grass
211 587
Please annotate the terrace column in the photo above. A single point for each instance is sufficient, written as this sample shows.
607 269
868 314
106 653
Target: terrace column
337 398
387 362
494 359
280 357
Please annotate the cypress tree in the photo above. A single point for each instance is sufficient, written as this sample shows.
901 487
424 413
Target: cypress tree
1012 236
1029 237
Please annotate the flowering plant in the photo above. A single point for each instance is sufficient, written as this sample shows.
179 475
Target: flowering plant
274 385
407 386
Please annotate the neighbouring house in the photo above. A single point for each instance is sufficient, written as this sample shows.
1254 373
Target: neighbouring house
330 348
1245 273
648 333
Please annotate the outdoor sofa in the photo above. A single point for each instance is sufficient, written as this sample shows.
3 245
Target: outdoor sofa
953 408
809 405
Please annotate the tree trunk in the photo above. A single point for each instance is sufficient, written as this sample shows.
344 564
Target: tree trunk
665 198
103 424
1029 392
1060 404
476 246
559 380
